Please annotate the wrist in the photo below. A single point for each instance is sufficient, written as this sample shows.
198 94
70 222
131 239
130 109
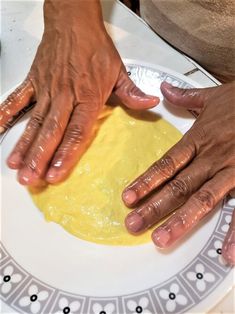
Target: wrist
75 14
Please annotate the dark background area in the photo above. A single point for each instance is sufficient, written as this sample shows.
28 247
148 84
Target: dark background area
134 5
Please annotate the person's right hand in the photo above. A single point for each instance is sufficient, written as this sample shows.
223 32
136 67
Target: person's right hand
74 72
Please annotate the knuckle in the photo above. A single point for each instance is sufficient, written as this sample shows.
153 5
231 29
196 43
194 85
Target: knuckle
36 120
87 94
75 134
5 106
24 141
10 98
186 148
206 200
179 188
144 184
55 125
184 92
133 90
90 107
165 166
198 133
17 93
32 162
151 212
154 209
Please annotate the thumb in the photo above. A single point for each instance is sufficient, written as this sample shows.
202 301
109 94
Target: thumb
192 98
131 95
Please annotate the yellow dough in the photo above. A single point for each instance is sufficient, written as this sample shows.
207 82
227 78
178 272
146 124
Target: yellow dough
88 204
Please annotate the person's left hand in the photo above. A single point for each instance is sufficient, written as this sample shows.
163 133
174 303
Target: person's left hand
194 175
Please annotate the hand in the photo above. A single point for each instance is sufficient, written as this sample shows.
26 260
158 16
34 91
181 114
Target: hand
74 72
194 175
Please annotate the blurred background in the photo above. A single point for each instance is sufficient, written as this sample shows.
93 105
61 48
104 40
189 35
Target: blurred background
134 5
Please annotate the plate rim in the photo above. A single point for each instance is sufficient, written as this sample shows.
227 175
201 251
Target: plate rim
132 62
128 62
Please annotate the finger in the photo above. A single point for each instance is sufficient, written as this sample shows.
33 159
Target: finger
161 171
16 101
49 137
196 208
15 160
171 196
131 95
192 98
228 250
74 143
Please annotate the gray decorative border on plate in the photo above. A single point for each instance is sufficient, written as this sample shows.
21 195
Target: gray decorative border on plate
27 294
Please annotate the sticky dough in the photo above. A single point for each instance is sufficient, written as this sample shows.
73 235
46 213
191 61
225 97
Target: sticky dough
88 204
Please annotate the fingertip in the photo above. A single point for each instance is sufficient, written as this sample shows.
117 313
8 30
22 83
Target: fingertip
55 175
152 101
190 98
14 161
134 222
24 177
52 176
152 98
132 96
165 85
27 176
129 197
142 102
168 90
161 237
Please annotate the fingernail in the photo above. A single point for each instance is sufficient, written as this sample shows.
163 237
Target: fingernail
129 197
166 84
56 175
151 97
27 176
161 237
14 160
134 222
156 100
52 173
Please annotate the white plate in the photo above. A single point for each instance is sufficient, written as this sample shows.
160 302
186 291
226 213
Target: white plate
47 270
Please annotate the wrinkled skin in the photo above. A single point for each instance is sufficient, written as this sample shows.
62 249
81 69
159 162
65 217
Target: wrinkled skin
74 72
194 175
